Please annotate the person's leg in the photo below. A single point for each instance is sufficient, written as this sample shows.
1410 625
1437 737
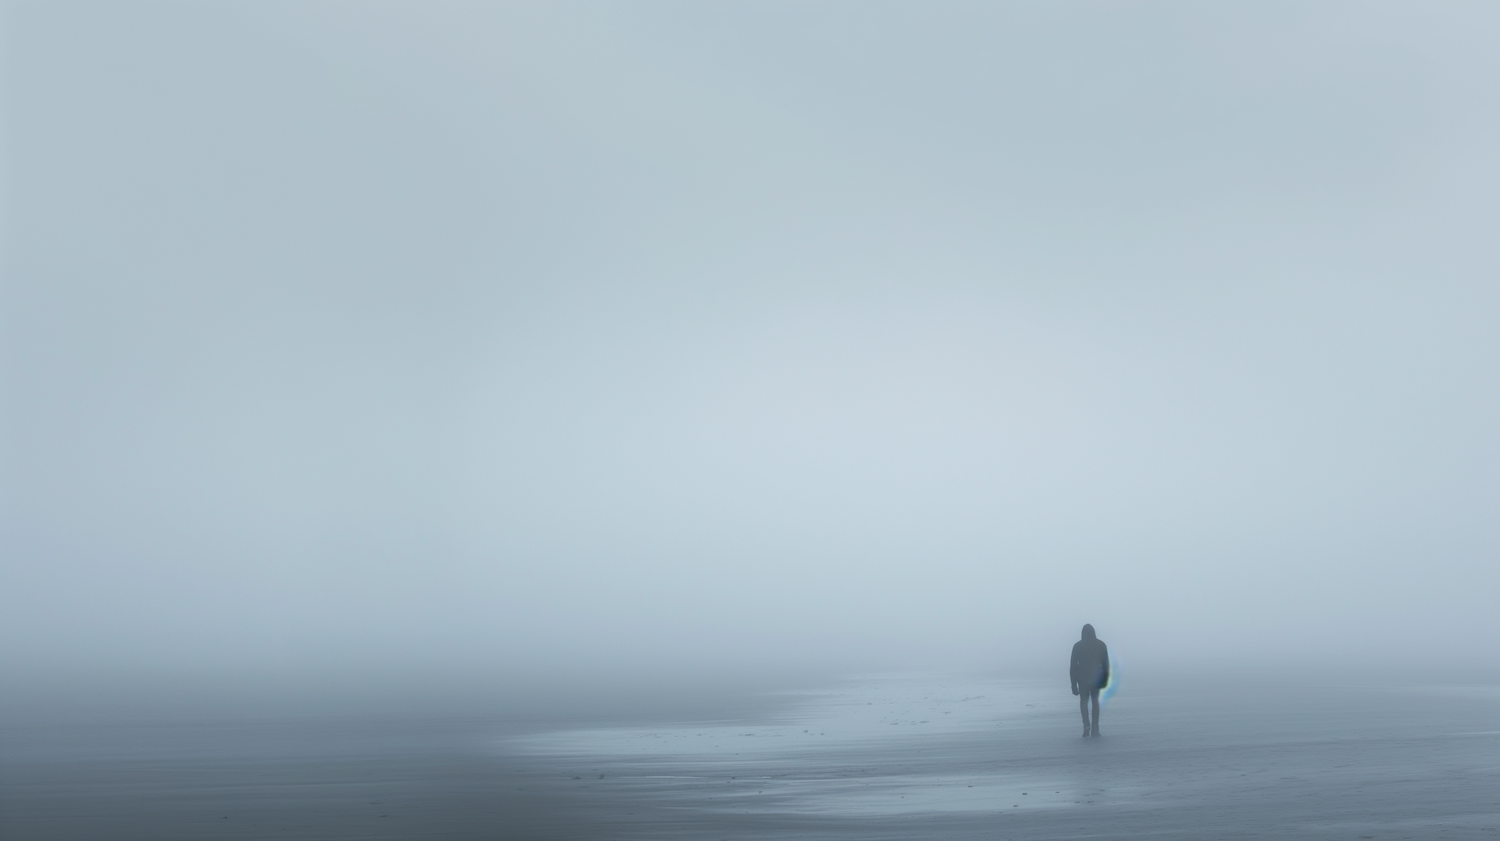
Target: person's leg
1094 696
1083 707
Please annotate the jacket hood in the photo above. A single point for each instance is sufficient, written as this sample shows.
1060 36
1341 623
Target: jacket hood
1088 632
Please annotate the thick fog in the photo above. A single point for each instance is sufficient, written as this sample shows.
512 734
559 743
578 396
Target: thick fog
574 339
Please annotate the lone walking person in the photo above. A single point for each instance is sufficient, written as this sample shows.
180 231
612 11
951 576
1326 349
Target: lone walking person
1089 672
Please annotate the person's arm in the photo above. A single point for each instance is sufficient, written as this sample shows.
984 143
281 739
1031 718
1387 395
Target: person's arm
1074 667
1104 650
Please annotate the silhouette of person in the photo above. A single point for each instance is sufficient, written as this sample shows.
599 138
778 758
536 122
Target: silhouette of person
1089 672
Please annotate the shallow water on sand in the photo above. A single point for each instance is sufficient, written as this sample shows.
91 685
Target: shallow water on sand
886 756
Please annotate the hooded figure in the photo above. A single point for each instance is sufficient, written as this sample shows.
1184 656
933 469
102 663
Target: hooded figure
1089 672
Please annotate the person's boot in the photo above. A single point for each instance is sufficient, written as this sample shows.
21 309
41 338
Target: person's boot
1087 731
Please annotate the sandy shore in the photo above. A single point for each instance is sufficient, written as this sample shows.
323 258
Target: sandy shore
875 757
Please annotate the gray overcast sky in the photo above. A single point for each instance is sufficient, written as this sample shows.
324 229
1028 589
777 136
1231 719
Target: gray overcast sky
735 335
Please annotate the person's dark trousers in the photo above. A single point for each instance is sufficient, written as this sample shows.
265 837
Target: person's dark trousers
1084 696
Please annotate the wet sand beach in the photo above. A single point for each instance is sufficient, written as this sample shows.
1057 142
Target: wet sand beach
895 756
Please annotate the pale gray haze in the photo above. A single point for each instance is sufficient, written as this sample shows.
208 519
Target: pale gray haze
542 341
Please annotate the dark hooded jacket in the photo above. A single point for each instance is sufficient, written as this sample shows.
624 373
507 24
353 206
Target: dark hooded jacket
1090 667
